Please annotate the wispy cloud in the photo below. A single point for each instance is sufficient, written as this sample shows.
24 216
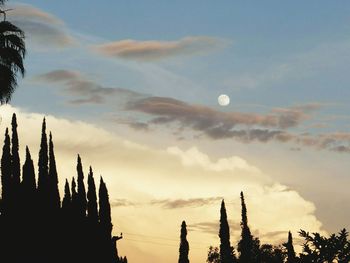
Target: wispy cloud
83 90
212 227
43 28
208 119
156 50
181 203
244 127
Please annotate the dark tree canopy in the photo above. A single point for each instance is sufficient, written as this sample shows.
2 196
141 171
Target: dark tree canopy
33 225
12 54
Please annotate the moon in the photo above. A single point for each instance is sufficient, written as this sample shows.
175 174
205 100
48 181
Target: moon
223 100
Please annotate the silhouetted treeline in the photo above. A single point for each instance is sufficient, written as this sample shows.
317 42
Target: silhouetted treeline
35 226
315 249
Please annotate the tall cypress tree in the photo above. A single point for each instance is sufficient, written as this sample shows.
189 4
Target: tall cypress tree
28 178
6 173
67 199
246 244
105 210
184 247
43 165
74 198
55 200
92 212
226 251
290 249
16 166
81 189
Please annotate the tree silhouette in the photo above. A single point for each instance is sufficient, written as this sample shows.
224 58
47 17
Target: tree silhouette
213 255
67 200
12 53
53 178
105 210
6 174
290 249
28 181
16 166
92 212
247 246
184 247
271 254
81 189
226 251
47 231
43 185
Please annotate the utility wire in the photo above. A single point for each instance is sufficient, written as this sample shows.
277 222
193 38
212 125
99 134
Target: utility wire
163 238
156 243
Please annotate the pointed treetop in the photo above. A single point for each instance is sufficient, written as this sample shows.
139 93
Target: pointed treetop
14 120
28 156
184 246
92 212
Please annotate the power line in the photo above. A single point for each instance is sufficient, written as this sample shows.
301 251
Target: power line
158 237
156 243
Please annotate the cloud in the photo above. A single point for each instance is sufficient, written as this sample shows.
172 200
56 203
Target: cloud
193 157
243 127
121 202
43 28
212 227
86 91
205 118
157 50
181 203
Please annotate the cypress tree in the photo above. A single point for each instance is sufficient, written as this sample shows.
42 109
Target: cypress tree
55 200
246 244
28 180
6 173
92 198
290 249
81 189
184 247
226 251
67 199
74 197
105 210
43 164
16 166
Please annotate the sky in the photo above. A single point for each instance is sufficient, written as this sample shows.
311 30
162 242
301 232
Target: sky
133 87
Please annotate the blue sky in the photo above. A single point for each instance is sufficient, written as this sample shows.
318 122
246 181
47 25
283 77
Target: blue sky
150 72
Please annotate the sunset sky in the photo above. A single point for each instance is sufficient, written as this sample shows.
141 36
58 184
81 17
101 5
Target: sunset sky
133 86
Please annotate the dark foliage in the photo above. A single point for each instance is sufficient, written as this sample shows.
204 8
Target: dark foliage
184 247
247 245
226 251
35 228
213 255
12 53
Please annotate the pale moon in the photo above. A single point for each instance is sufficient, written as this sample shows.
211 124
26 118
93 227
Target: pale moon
223 100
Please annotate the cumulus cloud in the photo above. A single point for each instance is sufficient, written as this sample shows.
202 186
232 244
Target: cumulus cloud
157 50
193 157
43 28
84 90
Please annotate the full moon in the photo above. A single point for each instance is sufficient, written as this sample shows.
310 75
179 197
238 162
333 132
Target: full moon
223 100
